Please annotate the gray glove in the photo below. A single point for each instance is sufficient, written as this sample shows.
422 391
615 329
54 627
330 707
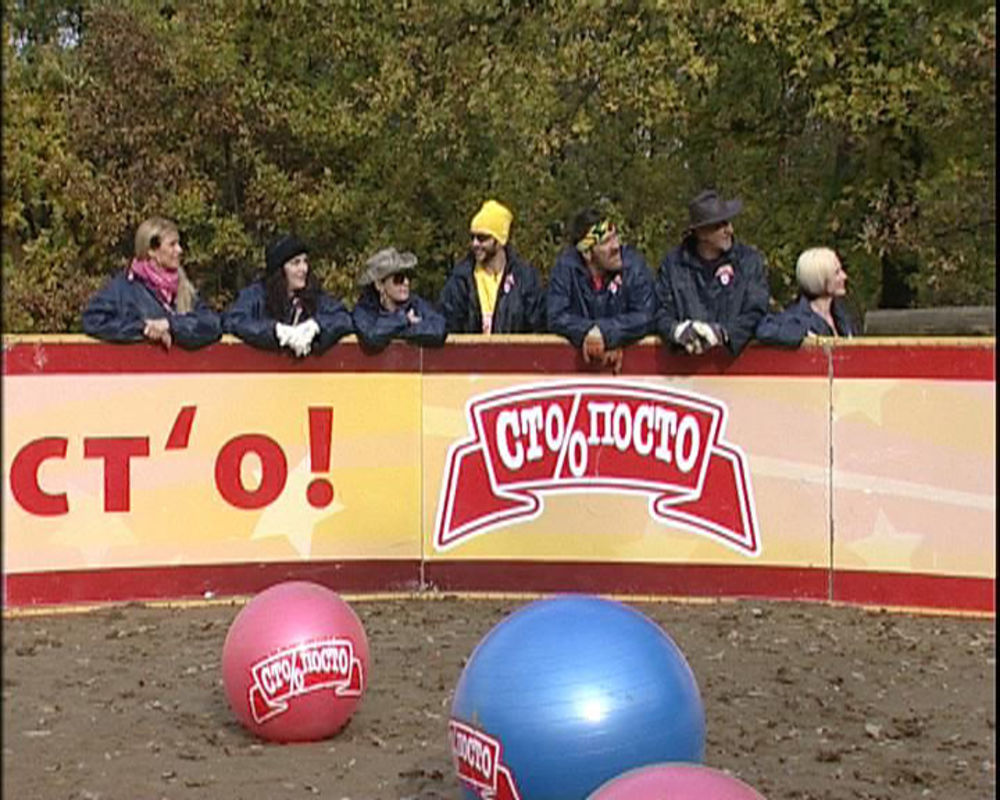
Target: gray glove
685 335
711 334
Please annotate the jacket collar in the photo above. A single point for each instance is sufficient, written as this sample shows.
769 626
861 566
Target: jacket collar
690 257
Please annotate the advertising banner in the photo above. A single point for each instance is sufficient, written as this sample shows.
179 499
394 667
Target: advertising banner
130 470
862 473
706 470
914 476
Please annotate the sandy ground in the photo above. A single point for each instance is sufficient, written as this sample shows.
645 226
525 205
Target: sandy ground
802 701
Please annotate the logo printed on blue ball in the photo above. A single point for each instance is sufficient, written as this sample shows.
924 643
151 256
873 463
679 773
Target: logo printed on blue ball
478 762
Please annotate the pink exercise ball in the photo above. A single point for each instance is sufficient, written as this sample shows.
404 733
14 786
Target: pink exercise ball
295 663
676 782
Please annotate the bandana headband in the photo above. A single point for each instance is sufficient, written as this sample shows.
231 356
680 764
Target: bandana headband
595 234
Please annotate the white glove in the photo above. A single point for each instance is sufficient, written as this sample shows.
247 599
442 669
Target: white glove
283 332
307 331
300 339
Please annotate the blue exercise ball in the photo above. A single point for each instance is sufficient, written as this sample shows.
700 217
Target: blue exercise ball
565 694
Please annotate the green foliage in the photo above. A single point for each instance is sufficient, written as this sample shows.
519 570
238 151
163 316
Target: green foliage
861 124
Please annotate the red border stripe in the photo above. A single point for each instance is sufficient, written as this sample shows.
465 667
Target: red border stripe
915 590
945 362
688 580
972 359
180 582
647 358
918 591
94 358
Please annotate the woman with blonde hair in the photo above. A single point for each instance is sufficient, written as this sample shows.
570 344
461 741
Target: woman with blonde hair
153 298
819 309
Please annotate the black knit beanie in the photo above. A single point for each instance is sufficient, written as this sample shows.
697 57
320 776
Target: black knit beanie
285 248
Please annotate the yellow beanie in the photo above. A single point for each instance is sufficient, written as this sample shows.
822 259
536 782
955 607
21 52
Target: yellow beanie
493 219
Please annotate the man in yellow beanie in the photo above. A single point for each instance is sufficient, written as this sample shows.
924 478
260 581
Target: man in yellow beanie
492 289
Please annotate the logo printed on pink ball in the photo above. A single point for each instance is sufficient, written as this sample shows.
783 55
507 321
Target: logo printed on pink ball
581 436
479 763
296 671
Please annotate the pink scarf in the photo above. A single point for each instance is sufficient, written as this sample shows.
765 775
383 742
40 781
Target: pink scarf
162 282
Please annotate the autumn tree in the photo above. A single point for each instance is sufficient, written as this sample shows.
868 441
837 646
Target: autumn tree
867 125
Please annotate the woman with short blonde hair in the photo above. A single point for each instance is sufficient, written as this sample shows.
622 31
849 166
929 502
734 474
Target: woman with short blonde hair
819 309
814 270
153 299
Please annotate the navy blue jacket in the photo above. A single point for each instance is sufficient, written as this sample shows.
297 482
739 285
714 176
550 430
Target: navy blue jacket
687 288
247 317
789 327
520 306
118 313
376 327
621 309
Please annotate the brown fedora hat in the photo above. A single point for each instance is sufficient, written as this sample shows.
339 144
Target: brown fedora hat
708 208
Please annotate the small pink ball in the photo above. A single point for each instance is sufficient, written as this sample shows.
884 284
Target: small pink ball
295 663
676 781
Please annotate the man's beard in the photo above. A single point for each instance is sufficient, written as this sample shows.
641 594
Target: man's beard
483 256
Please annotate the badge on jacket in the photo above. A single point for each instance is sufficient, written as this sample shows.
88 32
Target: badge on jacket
724 274
615 284
508 283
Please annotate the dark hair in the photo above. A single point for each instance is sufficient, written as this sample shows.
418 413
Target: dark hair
278 303
582 223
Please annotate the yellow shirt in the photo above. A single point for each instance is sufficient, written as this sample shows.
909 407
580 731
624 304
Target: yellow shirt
487 287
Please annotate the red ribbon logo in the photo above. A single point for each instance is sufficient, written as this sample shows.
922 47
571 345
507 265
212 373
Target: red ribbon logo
479 763
304 668
583 435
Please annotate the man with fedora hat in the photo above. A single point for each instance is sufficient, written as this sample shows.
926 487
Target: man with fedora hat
712 290
493 289
286 308
387 309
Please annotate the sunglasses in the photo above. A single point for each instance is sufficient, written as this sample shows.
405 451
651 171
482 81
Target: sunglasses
482 238
399 278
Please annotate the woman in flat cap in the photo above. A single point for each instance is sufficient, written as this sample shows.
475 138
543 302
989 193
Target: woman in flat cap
388 310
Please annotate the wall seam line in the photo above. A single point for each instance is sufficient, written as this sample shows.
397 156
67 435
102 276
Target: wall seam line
829 485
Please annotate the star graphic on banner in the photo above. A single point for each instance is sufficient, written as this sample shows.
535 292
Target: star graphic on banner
862 399
92 542
887 546
291 515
